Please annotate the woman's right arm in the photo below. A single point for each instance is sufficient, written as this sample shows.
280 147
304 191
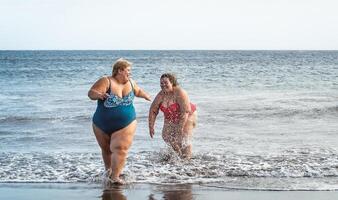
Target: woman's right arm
98 90
153 112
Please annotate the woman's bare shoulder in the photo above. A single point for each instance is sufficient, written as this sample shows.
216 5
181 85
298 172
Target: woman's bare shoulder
104 80
158 100
101 83
160 95
180 91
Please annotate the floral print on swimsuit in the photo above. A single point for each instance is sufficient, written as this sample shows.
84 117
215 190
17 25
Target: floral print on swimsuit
113 100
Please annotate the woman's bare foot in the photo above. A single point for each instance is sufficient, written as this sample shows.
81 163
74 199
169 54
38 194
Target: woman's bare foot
117 181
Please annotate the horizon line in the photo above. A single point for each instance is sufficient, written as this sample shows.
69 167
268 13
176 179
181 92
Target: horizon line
168 49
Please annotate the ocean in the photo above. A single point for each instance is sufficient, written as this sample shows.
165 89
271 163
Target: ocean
267 120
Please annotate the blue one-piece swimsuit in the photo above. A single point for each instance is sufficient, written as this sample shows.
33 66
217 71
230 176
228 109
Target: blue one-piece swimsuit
115 113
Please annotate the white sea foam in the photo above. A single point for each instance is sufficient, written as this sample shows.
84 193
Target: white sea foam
295 168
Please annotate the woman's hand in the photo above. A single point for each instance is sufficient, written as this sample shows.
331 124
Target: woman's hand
147 97
103 96
151 132
143 94
94 95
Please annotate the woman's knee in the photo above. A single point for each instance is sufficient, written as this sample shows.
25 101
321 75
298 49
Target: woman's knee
194 119
191 123
119 149
165 138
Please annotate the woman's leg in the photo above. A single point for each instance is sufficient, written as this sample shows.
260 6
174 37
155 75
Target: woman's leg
169 135
185 142
120 143
104 142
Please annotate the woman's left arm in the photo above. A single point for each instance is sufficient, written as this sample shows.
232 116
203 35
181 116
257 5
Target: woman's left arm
139 92
183 101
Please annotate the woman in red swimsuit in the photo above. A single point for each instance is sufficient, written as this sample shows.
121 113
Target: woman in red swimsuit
179 115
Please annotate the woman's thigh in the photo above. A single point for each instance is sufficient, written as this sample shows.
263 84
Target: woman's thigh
102 138
190 124
123 138
169 132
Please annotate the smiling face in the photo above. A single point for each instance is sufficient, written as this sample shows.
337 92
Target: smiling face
166 85
125 73
122 68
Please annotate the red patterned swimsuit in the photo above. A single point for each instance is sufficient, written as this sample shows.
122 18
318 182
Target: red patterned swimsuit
172 112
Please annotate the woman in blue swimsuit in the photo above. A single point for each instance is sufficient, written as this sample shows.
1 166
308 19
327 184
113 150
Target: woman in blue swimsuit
114 121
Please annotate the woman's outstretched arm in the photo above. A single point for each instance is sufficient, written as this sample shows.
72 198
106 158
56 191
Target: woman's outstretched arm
139 92
153 112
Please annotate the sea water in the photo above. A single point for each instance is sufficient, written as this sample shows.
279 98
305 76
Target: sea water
267 120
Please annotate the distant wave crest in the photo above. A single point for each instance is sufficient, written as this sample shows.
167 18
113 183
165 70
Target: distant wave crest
14 119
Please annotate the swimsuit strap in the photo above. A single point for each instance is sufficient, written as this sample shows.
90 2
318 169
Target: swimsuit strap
132 86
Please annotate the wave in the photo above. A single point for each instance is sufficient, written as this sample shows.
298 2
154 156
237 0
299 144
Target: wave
256 113
33 181
14 119
60 59
55 118
271 112
290 171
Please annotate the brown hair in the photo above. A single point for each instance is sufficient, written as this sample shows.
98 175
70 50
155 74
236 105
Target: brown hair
172 78
120 64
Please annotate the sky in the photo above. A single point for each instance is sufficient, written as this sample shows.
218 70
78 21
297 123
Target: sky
168 24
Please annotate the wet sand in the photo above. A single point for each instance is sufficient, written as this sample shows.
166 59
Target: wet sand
64 191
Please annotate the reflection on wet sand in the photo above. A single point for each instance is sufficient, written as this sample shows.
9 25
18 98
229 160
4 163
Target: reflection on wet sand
150 192
114 193
181 192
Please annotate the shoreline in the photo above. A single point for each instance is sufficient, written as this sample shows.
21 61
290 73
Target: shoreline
27 191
